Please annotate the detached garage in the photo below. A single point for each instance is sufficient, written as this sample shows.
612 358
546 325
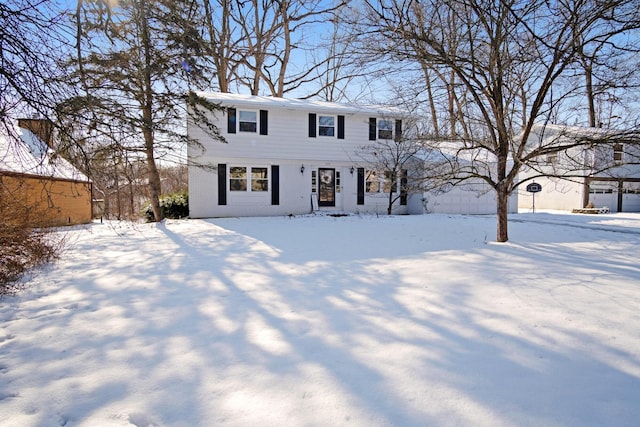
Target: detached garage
36 184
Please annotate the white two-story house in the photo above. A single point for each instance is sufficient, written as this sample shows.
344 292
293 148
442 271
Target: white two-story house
602 175
290 156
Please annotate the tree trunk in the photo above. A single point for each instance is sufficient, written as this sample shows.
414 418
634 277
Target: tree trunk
432 104
117 182
502 187
588 74
147 115
154 177
503 211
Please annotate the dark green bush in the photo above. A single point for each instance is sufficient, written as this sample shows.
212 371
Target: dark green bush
173 206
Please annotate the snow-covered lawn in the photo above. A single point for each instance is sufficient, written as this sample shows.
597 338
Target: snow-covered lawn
323 321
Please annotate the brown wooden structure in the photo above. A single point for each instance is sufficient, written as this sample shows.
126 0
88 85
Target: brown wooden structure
51 195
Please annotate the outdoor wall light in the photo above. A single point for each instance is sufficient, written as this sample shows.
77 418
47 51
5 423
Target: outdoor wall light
351 170
302 169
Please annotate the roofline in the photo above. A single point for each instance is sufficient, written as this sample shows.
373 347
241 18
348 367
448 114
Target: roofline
48 177
241 100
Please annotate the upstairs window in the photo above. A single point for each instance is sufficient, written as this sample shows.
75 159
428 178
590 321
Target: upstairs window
331 126
618 153
247 121
326 125
385 129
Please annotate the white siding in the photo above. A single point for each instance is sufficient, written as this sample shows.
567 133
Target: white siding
288 139
559 194
472 199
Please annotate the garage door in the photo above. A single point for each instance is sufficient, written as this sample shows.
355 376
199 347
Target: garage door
604 194
631 197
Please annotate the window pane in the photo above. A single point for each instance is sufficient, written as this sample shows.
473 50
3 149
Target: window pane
326 120
259 181
237 172
258 173
326 126
389 182
385 129
313 181
259 185
248 121
373 184
617 153
238 178
248 116
247 127
324 131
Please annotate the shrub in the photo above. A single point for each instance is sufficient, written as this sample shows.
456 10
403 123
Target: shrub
22 246
22 249
173 206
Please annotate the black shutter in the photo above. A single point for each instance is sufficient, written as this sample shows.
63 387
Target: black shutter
264 122
360 186
340 127
403 186
312 125
398 130
222 184
231 120
372 128
275 184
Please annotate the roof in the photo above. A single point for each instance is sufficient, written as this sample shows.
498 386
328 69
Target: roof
238 100
24 153
546 133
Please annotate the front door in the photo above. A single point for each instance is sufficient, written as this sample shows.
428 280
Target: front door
327 187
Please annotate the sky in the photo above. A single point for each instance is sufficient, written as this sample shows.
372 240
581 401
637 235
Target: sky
326 321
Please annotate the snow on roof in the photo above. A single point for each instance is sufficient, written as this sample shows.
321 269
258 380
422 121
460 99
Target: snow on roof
23 152
548 133
238 100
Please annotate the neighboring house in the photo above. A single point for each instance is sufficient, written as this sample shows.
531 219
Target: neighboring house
39 185
289 156
609 175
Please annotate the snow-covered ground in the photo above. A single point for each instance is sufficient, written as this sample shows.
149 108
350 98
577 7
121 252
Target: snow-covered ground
324 321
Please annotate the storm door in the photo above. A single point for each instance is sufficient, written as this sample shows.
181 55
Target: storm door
326 187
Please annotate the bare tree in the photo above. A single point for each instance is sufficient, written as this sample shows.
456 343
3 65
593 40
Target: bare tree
252 43
223 41
33 34
513 64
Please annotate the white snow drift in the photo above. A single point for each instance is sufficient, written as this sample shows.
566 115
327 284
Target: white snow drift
322 321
